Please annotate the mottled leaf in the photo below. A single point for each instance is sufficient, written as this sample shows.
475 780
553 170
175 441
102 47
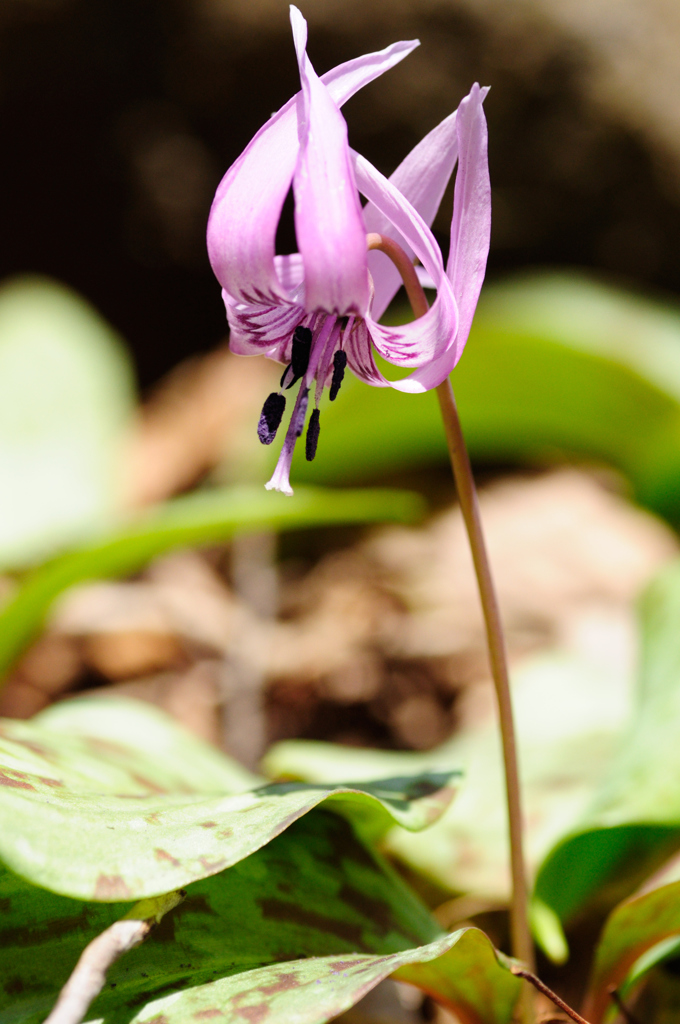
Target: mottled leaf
65 397
91 816
315 890
205 517
460 970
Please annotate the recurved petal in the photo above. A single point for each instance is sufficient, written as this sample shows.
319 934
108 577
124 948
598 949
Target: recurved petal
399 213
421 177
328 219
247 205
471 224
362 364
346 79
432 336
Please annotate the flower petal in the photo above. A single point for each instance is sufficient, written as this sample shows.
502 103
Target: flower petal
328 219
290 271
247 205
471 224
359 349
431 336
262 328
421 177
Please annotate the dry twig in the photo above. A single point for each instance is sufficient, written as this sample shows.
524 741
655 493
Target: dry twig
520 972
89 974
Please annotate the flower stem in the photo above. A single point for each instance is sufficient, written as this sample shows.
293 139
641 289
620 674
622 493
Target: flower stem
521 944
520 935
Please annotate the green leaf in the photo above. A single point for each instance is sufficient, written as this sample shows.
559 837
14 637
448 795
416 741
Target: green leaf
87 815
554 365
315 990
633 821
569 716
65 397
634 927
201 518
315 890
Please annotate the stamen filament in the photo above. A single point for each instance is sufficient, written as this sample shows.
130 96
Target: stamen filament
326 360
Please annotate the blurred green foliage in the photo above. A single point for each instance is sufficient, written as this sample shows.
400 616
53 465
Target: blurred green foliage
66 397
205 517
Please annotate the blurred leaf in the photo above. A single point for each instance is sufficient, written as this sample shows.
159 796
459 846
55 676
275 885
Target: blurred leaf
315 890
85 814
569 714
129 743
201 518
634 818
65 397
633 928
556 363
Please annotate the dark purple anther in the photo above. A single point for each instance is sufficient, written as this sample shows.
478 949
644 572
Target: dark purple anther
339 364
270 417
312 439
302 347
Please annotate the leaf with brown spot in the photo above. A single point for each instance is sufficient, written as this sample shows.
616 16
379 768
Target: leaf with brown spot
111 887
316 990
134 783
15 779
225 928
164 855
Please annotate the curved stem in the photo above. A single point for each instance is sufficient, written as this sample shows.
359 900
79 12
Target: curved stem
522 946
414 292
521 943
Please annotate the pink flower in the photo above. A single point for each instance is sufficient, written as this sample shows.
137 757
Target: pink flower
317 311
